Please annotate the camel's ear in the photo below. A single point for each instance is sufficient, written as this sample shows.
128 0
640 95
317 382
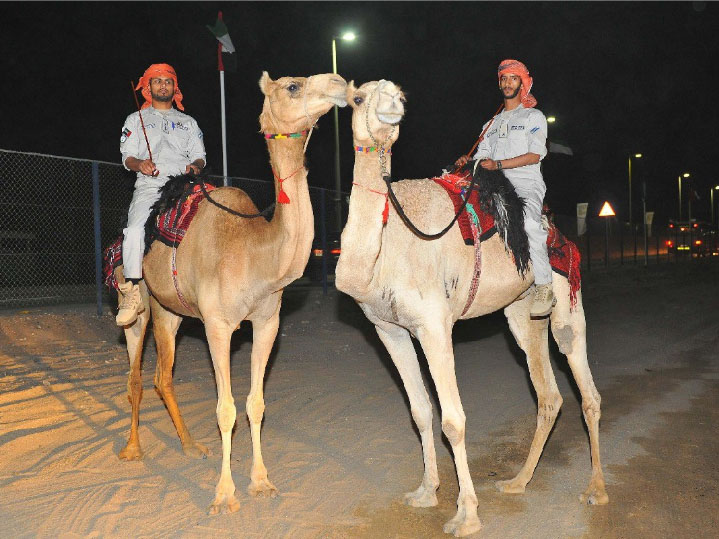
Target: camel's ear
265 82
350 92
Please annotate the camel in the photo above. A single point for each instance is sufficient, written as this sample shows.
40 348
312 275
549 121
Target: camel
410 286
231 269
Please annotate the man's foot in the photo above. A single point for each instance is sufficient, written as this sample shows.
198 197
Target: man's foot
131 304
543 301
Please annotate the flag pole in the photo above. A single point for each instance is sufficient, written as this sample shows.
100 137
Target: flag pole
221 67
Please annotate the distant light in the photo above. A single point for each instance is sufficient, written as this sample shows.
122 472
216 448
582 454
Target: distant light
716 187
637 155
349 36
551 119
686 175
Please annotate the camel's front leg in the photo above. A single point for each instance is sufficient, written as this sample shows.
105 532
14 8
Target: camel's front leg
532 335
218 337
164 326
264 333
135 337
436 338
570 332
399 345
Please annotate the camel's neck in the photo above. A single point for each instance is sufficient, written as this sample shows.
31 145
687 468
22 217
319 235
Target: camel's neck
293 223
362 236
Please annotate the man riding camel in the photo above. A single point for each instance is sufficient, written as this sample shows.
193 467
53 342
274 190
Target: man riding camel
175 147
515 142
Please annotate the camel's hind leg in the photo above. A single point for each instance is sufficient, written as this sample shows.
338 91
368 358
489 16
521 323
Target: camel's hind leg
435 336
569 330
219 334
265 324
531 335
135 337
399 345
164 327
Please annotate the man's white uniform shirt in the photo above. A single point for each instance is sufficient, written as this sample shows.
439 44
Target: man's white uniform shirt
514 133
175 140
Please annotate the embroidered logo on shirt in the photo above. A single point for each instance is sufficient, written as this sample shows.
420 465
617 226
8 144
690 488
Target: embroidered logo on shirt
534 130
517 128
125 135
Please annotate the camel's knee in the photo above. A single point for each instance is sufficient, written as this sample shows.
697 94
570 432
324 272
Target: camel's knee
422 416
548 408
255 408
226 414
564 337
453 429
591 406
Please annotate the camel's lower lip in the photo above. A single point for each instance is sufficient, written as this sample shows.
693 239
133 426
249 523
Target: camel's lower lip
340 101
389 118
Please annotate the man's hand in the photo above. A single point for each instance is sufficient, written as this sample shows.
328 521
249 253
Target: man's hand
488 164
192 169
147 167
459 163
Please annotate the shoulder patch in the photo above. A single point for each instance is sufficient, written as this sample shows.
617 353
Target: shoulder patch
125 135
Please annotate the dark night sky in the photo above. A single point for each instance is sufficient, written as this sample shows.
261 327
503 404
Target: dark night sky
620 78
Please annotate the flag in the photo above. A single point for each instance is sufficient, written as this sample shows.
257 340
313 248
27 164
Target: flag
225 62
560 148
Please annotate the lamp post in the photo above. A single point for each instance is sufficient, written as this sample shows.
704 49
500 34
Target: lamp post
711 198
685 175
636 156
347 36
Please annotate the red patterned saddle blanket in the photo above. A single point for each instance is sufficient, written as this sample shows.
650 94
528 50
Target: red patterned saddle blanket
564 255
170 226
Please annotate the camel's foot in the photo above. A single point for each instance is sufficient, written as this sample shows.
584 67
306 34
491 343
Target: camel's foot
464 523
510 486
131 452
594 495
223 500
195 450
422 497
263 488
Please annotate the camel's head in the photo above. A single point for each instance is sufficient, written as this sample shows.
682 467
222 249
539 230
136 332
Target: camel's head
293 104
378 109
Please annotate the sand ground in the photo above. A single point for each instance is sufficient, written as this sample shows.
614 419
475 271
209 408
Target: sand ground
338 438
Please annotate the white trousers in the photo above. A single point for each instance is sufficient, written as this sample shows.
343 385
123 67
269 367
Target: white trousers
147 191
532 192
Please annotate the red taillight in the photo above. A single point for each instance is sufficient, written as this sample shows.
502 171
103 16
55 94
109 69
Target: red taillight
317 252
695 225
671 225
670 243
697 242
335 251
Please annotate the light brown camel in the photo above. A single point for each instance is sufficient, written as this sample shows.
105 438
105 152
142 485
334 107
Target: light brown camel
231 269
410 286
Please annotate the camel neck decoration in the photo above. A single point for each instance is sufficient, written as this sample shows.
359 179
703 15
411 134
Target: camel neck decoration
408 286
271 136
232 269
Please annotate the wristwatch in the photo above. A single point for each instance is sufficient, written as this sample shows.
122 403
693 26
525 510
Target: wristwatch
499 165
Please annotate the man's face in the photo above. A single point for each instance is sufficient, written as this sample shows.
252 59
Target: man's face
162 89
510 85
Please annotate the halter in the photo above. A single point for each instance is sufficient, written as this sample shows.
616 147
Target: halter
369 149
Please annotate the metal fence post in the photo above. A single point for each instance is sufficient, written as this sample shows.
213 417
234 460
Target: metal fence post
323 236
98 246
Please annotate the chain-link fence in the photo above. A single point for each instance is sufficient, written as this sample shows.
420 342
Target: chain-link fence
58 214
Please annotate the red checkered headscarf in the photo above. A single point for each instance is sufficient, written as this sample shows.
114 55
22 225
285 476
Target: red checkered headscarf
515 67
159 70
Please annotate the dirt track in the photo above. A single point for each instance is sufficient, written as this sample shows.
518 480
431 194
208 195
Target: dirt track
338 438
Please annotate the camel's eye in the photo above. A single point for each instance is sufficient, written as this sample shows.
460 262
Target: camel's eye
358 100
293 87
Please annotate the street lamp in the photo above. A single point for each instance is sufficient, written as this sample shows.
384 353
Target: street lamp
685 175
711 197
551 119
636 156
347 36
